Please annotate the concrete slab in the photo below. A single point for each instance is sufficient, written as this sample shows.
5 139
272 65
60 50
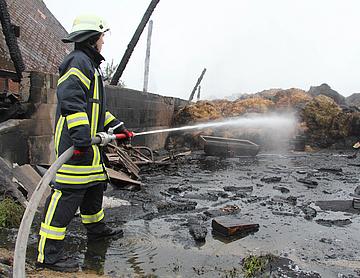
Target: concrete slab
29 179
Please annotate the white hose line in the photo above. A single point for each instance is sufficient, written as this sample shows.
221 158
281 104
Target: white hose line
28 217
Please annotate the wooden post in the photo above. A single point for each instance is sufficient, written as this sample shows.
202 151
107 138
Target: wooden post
133 42
198 94
197 85
147 57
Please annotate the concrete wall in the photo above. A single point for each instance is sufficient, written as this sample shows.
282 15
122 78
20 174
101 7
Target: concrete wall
143 111
31 140
13 141
41 129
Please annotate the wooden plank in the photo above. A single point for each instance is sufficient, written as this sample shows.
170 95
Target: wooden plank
119 176
231 227
7 185
29 180
28 177
126 161
175 155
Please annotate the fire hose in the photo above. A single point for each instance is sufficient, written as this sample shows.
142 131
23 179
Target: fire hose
101 139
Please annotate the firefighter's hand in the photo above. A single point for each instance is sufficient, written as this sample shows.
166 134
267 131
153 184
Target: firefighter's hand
356 145
128 136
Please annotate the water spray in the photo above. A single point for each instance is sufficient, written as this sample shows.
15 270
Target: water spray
284 121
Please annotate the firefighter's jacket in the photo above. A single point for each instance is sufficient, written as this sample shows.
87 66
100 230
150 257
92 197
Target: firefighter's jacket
81 113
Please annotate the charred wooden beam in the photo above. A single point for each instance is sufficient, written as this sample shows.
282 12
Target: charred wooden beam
134 40
197 84
11 40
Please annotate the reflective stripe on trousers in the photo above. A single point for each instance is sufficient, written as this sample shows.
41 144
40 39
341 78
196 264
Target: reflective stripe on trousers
88 219
48 231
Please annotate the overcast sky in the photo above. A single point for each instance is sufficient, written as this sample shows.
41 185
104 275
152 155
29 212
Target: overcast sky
246 45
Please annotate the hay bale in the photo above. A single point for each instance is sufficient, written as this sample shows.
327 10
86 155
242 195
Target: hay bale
325 121
198 112
292 99
250 105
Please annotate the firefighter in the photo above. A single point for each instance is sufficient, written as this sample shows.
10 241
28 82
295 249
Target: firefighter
81 113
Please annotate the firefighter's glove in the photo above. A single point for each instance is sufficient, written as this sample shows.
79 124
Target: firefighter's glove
79 152
128 136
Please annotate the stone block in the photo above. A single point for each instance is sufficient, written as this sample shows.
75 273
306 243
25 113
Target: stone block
13 141
41 149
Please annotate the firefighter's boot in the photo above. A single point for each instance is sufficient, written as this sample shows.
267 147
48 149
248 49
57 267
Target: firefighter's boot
62 265
107 232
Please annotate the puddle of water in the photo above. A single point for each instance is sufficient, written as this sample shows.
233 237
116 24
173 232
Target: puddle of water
164 246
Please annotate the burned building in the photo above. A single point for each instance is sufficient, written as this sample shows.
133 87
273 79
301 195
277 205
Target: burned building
30 53
29 43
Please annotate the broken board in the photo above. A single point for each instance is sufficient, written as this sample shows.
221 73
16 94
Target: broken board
121 177
29 179
229 227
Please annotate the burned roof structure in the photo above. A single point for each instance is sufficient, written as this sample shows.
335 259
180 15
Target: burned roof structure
30 39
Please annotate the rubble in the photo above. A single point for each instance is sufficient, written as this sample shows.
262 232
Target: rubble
238 188
199 232
325 90
201 111
250 105
353 100
338 205
178 205
356 203
308 182
335 222
227 210
325 121
291 99
330 169
282 189
7 185
309 212
273 179
6 263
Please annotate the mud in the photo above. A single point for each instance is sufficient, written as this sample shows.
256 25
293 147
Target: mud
312 231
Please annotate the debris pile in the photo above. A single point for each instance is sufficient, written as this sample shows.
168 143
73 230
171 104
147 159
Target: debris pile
250 105
199 112
291 99
325 119
124 162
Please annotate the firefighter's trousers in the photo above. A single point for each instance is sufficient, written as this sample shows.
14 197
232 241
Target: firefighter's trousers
60 208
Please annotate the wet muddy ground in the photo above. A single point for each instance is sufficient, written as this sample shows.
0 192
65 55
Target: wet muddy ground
301 202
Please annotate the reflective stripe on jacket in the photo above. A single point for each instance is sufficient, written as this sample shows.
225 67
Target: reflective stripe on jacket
81 113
